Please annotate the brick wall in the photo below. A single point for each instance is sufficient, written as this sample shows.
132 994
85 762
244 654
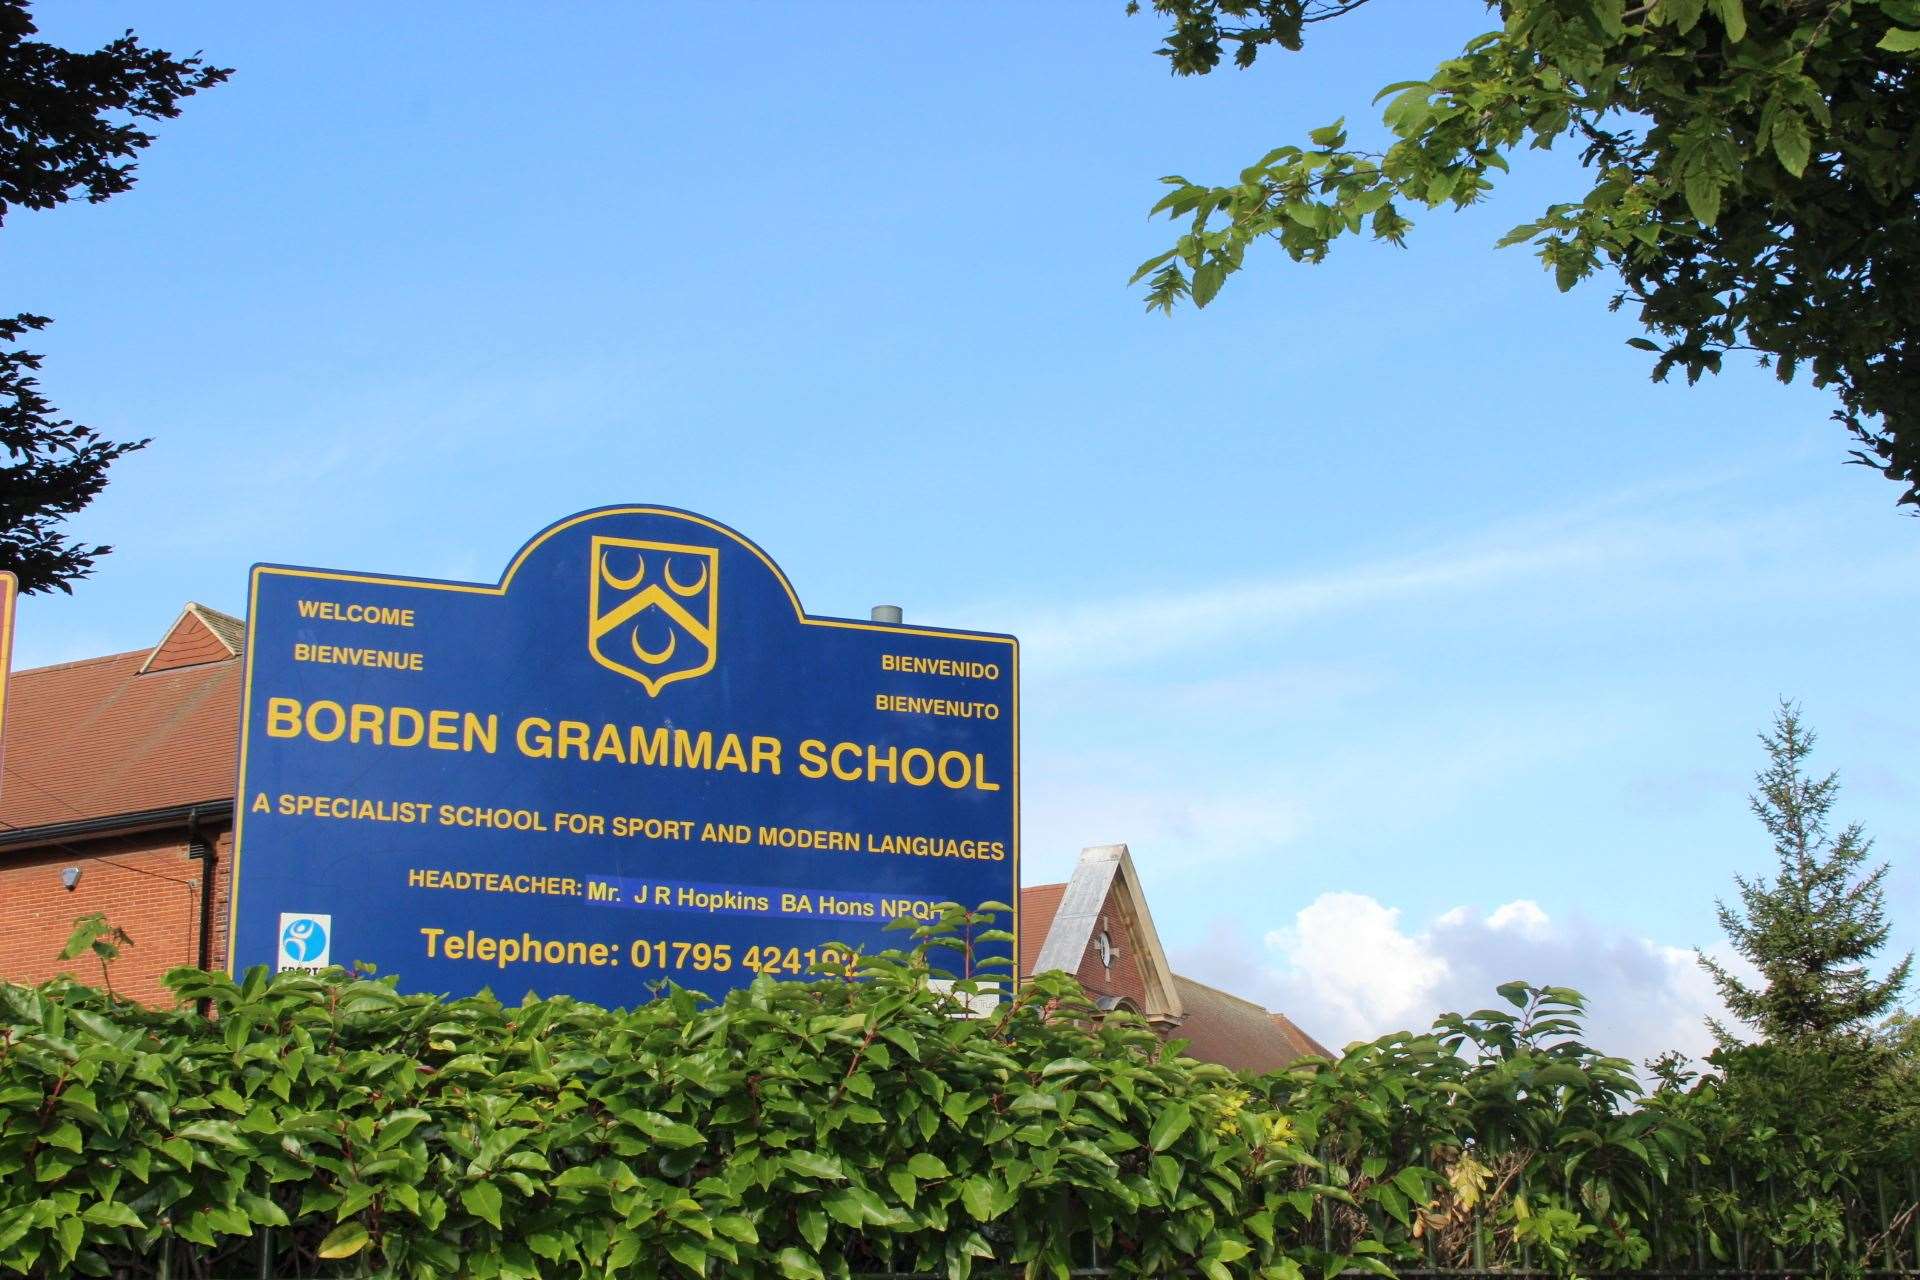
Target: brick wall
222 898
1123 979
145 884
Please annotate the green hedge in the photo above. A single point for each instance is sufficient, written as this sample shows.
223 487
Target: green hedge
1798 1159
795 1129
841 1126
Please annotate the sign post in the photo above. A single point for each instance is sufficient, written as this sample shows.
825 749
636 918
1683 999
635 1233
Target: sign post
9 597
635 757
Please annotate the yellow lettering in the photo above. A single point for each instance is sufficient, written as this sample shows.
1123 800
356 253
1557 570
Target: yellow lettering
966 770
338 714
644 747
534 738
440 730
405 727
482 732
283 717
608 745
691 752
907 762
813 759
367 720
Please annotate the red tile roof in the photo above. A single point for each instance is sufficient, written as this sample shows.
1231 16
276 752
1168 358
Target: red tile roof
200 635
1238 1033
1037 905
1306 1043
232 631
97 738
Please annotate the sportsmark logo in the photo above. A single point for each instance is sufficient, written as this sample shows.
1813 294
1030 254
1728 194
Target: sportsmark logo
306 941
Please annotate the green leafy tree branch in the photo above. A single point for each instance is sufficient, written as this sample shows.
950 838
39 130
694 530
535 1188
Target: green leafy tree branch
1754 170
70 127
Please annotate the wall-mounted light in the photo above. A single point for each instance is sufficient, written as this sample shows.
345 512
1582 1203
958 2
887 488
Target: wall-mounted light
70 877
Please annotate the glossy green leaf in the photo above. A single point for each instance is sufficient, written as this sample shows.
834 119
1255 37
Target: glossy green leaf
344 1240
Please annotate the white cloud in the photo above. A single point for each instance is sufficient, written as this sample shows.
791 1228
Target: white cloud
1346 968
1522 916
1349 950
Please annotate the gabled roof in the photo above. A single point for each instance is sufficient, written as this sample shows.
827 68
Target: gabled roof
1056 927
1106 872
125 734
198 635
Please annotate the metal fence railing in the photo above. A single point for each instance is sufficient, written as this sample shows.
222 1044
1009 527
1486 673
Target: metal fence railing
267 1263
984 1272
1871 1232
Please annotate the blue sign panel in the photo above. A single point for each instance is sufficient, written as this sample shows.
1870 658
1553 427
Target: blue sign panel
634 758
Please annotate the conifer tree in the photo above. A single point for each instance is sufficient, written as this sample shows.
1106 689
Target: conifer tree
1811 931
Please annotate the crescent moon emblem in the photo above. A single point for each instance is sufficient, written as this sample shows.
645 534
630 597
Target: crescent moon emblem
698 585
608 576
652 659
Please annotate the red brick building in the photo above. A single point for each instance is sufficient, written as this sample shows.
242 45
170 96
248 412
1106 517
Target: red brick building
117 797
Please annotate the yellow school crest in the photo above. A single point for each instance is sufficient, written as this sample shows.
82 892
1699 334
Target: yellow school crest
653 609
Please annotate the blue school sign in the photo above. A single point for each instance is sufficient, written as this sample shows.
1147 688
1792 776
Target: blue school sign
635 757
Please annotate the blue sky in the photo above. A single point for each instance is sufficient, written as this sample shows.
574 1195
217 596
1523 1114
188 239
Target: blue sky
1377 599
